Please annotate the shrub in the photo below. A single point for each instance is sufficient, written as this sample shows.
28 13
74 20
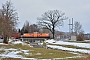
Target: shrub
80 37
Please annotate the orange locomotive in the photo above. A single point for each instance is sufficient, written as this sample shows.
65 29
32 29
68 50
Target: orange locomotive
36 35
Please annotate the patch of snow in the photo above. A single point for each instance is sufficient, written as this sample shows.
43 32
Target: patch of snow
18 42
10 40
3 44
2 48
27 54
25 51
29 59
50 41
12 54
69 49
87 40
11 49
38 54
74 57
40 43
1 40
46 59
74 53
85 45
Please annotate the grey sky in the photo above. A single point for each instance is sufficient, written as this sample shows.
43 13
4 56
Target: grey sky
29 10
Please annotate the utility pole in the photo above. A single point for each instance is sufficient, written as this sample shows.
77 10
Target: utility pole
70 27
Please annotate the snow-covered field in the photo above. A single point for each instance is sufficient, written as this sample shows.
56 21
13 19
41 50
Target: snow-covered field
15 53
12 52
83 45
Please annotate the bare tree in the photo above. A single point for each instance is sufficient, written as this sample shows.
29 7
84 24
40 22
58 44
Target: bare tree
79 31
25 28
34 28
80 36
9 19
78 27
52 19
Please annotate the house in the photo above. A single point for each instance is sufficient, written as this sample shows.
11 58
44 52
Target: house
87 36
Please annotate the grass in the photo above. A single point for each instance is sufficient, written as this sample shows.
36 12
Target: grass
48 53
86 57
39 52
71 46
2 51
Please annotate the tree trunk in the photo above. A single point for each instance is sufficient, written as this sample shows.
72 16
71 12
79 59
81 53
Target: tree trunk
53 32
5 40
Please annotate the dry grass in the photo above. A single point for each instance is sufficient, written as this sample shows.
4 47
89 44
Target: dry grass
86 57
44 53
49 53
39 52
2 51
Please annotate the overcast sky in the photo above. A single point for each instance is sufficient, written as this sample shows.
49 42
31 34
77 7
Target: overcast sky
29 10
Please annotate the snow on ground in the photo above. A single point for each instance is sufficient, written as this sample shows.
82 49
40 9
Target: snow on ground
1 40
87 40
69 49
85 45
25 51
10 49
29 59
50 41
12 52
18 42
3 44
